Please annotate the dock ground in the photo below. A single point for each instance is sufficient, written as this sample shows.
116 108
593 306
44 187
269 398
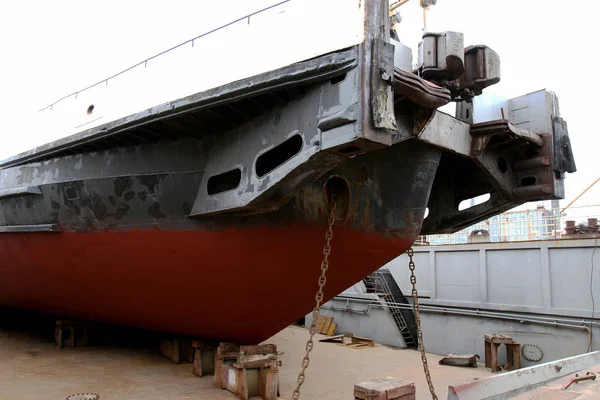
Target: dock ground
32 367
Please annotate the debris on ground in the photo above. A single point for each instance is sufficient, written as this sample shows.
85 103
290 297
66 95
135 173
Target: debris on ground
349 340
460 360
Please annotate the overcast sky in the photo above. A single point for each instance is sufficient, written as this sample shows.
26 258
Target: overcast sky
50 49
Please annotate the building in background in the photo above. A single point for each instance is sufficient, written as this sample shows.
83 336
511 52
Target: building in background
534 221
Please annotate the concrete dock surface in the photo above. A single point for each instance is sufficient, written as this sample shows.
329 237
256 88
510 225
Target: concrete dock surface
32 367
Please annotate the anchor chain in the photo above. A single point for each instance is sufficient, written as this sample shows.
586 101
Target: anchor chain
318 298
415 296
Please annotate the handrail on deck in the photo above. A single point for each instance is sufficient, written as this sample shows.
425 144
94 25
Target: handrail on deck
145 61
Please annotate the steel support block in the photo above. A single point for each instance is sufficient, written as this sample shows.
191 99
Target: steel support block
177 349
204 357
513 352
71 333
385 389
248 371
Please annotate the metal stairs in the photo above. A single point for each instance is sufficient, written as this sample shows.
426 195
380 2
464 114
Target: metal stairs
382 283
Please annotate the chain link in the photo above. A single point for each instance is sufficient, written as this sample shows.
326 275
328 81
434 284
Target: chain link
415 296
318 298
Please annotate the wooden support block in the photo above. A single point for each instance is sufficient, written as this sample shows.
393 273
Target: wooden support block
326 325
385 389
319 323
331 330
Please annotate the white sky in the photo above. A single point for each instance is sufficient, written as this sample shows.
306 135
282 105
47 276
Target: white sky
50 49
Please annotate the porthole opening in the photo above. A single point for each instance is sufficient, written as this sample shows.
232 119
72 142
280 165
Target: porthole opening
278 155
223 182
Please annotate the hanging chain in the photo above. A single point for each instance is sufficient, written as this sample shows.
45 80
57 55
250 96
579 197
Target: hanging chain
415 296
318 298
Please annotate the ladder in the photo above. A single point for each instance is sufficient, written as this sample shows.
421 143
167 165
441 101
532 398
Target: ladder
378 283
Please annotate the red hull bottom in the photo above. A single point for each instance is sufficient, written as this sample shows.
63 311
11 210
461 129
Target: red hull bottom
241 285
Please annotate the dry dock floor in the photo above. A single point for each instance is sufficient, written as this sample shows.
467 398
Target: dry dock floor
32 367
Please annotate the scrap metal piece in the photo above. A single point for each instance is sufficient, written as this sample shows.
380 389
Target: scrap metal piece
460 360
357 342
349 340
84 396
333 339
589 376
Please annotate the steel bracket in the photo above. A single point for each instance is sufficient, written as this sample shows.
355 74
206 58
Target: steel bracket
482 69
441 56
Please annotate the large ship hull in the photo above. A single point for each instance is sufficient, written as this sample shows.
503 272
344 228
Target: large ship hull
239 285
206 215
125 250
